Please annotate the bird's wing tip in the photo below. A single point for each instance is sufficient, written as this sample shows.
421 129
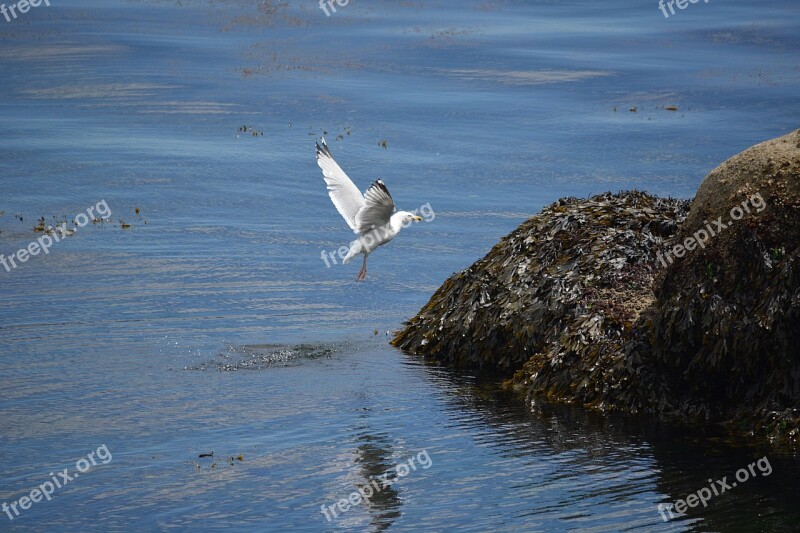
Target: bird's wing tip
379 184
322 148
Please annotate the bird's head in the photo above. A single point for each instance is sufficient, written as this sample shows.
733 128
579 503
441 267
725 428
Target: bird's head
408 218
405 218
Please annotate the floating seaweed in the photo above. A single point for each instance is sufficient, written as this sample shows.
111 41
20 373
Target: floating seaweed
264 356
248 130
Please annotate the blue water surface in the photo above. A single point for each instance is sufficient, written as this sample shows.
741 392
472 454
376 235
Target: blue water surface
208 321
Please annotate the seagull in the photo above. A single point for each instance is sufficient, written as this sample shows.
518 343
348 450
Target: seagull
372 216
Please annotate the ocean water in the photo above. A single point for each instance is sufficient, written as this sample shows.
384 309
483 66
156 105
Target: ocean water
208 321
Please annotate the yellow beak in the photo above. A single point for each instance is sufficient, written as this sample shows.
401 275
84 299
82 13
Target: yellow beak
417 218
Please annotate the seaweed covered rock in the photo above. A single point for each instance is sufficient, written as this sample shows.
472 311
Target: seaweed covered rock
639 303
726 328
561 295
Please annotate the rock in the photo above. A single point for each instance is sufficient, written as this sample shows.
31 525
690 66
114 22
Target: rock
638 303
561 295
726 329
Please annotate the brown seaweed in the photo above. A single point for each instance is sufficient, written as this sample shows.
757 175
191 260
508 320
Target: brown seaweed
579 305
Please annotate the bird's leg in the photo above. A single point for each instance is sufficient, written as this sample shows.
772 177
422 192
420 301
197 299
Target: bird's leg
362 274
358 276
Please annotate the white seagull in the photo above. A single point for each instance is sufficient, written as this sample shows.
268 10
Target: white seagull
372 216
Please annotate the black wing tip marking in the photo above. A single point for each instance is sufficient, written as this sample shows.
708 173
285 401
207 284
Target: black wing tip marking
322 149
378 184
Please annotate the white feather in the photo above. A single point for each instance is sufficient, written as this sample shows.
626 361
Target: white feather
343 192
362 213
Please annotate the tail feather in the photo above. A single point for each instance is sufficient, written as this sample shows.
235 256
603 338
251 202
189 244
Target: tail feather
355 249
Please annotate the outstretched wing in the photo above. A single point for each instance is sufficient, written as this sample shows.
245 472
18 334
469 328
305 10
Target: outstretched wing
344 194
378 207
